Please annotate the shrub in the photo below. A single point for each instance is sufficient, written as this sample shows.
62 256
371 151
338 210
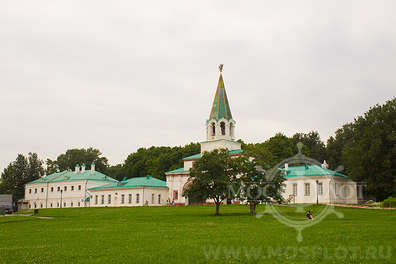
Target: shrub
389 202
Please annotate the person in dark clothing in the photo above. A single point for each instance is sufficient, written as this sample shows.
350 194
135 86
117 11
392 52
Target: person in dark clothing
309 215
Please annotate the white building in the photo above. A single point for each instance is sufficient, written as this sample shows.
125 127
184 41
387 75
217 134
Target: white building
81 188
64 189
317 184
132 192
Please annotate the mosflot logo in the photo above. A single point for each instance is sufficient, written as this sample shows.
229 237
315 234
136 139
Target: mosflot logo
326 209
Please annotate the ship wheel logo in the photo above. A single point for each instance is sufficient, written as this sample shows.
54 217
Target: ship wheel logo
298 224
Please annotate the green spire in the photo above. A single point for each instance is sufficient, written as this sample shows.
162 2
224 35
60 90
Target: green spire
220 107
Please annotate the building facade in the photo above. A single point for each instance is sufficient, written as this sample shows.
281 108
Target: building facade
139 191
81 188
317 184
65 189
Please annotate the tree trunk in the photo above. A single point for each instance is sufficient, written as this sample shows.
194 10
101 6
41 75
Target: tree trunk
217 208
252 208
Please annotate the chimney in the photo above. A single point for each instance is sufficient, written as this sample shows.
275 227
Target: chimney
325 165
77 168
83 168
92 167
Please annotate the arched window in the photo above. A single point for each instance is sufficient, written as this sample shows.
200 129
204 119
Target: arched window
213 129
222 126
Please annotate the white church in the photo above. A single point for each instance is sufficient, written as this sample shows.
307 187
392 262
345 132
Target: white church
82 188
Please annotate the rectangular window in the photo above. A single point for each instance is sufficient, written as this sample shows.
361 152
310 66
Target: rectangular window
122 198
42 189
30 190
152 198
159 198
295 189
79 187
57 204
307 189
109 199
72 188
52 189
35 190
64 204
137 198
78 204
130 198
102 201
51 205
41 205
175 195
58 188
320 188
65 188
71 204
96 199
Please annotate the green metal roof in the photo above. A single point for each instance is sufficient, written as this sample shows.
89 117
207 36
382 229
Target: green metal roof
220 107
147 181
197 156
310 170
177 170
72 176
236 151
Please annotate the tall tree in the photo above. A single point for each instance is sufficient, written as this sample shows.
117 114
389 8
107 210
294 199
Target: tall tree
255 186
157 160
211 177
19 172
52 166
367 149
72 157
370 156
313 147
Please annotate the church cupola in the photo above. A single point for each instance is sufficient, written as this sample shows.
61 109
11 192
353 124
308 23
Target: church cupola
220 124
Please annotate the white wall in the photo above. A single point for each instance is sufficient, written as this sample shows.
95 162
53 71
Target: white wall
330 193
176 183
51 198
219 144
188 164
145 197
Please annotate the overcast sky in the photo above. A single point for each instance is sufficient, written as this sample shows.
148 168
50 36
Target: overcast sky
119 75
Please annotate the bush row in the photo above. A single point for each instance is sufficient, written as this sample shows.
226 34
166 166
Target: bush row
389 202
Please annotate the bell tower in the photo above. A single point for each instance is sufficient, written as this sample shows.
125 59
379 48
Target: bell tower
220 127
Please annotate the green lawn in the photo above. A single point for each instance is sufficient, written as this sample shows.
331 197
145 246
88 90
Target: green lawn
194 235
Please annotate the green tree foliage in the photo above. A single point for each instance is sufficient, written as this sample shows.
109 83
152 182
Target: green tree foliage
52 166
116 172
155 161
255 186
280 147
367 149
211 177
72 157
313 147
19 172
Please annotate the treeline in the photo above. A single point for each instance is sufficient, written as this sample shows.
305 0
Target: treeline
366 148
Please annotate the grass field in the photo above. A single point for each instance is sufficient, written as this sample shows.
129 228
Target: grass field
194 235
